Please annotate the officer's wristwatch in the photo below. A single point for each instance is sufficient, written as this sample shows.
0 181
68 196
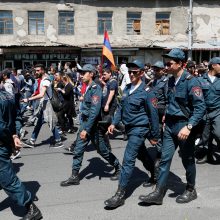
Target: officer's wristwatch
189 126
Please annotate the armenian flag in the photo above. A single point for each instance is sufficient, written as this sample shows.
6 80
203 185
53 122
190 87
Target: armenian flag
107 50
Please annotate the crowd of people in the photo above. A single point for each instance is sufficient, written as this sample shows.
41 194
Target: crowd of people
172 104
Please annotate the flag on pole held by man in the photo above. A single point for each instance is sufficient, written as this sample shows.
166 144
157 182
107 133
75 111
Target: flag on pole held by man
107 50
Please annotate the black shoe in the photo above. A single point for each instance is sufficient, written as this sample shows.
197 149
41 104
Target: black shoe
117 200
73 180
202 160
155 197
150 182
116 173
69 149
125 137
33 213
187 196
29 144
57 144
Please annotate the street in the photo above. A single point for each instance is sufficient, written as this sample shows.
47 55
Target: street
43 168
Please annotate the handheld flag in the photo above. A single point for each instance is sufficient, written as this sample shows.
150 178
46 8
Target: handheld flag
107 50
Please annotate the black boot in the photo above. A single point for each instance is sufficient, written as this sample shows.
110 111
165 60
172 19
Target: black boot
202 160
125 137
33 213
117 200
155 197
150 182
73 180
116 173
188 195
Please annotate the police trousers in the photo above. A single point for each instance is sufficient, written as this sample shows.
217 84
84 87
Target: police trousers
9 180
135 148
170 144
97 138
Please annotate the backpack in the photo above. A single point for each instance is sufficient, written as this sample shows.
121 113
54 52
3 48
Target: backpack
56 100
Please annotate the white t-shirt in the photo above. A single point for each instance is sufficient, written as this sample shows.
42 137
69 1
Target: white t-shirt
133 88
46 83
212 78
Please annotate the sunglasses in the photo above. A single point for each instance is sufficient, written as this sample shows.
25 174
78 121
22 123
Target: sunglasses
134 72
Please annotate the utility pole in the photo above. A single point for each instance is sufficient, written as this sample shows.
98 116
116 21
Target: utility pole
190 28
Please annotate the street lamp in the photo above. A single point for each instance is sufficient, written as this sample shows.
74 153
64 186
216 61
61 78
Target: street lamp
190 28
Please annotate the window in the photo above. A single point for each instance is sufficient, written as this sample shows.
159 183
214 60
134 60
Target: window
163 23
134 23
6 22
104 22
66 22
36 22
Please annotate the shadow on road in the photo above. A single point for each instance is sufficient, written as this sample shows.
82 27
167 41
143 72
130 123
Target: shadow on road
96 167
33 187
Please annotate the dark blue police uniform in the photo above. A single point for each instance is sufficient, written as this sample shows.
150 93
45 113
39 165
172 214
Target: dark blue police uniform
160 87
91 107
138 112
185 106
211 91
8 179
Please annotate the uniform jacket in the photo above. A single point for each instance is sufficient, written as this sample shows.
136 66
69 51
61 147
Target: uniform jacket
211 92
8 117
160 87
91 106
138 109
187 93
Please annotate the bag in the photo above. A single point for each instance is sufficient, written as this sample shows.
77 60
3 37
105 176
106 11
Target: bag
56 100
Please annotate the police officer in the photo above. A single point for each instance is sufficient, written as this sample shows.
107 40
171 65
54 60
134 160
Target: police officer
184 111
91 107
210 83
160 87
9 139
138 112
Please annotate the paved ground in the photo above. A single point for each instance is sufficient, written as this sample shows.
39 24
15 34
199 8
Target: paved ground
43 168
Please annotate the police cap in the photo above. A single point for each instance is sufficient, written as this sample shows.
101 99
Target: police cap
214 60
176 54
88 68
136 64
159 64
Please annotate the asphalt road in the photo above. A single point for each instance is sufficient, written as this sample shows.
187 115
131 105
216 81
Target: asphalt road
43 168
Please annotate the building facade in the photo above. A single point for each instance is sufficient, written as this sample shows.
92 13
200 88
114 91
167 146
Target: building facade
57 31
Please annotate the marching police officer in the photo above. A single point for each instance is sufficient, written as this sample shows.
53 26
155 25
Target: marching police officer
160 87
91 107
210 84
9 139
138 112
184 111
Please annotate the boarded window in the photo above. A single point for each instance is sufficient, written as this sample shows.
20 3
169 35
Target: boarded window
66 23
36 22
163 23
104 22
6 22
134 23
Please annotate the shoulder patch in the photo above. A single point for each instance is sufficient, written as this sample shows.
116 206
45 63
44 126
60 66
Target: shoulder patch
197 91
95 99
154 102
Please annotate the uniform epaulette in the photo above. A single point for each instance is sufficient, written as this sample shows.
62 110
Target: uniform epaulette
94 86
147 89
165 79
189 77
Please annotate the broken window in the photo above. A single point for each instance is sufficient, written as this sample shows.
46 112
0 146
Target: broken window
6 22
104 22
36 22
163 23
66 22
134 23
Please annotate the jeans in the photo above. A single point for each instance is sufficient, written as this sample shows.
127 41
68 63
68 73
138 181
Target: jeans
9 180
38 126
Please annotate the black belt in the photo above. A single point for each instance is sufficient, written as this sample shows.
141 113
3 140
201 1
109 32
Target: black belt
175 118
